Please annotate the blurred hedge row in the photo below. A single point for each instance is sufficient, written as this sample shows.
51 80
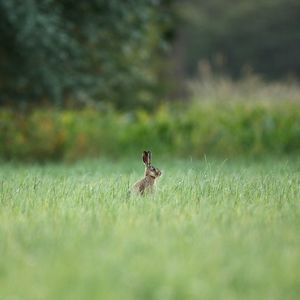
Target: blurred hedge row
199 129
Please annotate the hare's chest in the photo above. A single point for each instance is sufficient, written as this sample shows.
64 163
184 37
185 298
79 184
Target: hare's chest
143 186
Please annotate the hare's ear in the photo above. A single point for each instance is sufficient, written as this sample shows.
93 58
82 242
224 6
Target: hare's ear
147 157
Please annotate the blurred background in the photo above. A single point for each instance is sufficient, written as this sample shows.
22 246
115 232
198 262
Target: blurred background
108 78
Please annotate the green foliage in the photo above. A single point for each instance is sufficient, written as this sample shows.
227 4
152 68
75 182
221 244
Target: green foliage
235 36
214 230
52 50
221 129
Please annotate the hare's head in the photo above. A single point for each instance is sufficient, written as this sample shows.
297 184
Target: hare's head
149 169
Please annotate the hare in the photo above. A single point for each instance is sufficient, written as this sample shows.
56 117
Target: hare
151 173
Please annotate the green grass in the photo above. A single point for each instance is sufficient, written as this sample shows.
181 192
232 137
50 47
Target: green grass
213 230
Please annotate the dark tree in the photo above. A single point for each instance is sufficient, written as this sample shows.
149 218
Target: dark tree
112 50
232 35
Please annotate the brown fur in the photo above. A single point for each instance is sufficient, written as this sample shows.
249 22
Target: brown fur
151 173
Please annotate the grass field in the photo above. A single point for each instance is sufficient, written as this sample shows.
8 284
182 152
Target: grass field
213 230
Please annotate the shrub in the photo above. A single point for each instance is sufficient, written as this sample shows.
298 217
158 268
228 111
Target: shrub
219 129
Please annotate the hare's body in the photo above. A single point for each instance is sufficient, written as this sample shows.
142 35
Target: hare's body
146 184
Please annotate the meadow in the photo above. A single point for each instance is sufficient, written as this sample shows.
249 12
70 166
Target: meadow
214 229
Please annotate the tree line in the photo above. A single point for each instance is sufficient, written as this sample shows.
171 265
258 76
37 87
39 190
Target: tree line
120 51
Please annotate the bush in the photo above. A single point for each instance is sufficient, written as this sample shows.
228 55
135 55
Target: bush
205 128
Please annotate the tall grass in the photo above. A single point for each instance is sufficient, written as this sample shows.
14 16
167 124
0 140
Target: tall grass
250 88
213 229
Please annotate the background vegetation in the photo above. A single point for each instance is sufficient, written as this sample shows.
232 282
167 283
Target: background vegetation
245 118
137 53
105 50
236 37
225 130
